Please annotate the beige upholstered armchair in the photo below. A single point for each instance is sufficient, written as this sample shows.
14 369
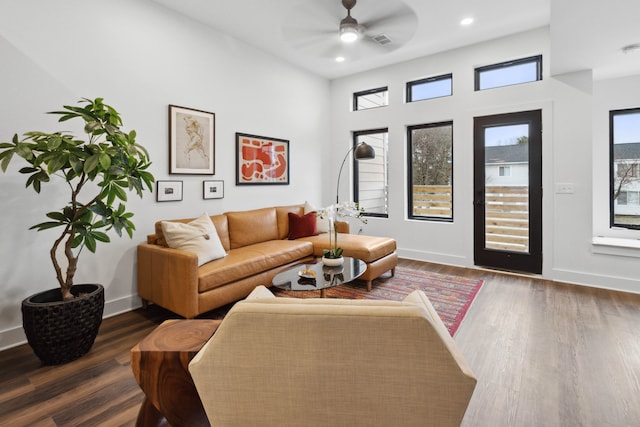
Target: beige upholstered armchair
332 362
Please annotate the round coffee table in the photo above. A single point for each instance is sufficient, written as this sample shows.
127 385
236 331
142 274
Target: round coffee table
325 277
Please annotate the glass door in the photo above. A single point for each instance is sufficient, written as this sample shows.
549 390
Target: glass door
508 191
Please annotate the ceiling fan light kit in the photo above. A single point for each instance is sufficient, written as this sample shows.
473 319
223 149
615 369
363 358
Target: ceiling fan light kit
348 34
349 31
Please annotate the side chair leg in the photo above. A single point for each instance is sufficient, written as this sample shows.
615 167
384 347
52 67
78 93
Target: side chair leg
369 285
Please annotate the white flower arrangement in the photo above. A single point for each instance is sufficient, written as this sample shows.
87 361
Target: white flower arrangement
334 213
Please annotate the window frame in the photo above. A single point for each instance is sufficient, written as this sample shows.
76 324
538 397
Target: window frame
537 59
356 171
410 173
410 85
612 171
356 95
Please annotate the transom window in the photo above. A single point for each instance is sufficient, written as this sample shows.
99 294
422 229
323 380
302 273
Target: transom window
509 73
372 98
625 168
432 87
371 186
430 181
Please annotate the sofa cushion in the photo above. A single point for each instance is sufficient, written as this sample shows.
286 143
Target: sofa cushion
302 225
249 260
322 224
366 248
249 227
198 236
282 212
219 221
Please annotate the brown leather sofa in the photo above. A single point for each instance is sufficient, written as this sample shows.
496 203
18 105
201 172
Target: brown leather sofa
257 249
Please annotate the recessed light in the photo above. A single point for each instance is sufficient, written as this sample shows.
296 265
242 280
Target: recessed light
466 21
339 58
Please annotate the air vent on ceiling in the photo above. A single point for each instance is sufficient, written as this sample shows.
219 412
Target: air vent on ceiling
381 39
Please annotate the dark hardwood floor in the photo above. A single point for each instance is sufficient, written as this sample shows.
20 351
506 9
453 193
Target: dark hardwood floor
545 354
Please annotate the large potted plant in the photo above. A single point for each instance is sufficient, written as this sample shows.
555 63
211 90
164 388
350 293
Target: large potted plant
61 324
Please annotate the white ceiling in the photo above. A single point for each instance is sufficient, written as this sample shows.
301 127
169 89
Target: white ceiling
585 34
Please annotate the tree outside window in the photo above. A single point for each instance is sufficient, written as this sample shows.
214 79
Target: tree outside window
625 168
431 173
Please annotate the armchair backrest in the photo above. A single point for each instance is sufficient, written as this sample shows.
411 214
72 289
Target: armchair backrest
332 362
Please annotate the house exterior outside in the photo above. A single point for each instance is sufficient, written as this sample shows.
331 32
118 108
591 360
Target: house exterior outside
626 179
507 165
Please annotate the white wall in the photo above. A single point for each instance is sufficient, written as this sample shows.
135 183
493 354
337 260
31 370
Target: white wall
614 94
140 57
566 103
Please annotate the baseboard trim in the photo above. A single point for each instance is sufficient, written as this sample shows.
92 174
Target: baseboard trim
434 257
613 283
15 336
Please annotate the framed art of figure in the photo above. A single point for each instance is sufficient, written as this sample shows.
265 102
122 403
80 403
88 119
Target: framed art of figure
191 141
261 160
169 191
212 189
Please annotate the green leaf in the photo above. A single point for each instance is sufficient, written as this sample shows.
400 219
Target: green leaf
45 225
90 243
91 127
100 209
119 192
58 216
102 237
57 163
76 164
91 163
105 161
54 142
6 157
24 150
77 241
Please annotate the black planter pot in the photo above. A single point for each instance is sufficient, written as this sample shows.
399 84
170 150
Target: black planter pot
61 331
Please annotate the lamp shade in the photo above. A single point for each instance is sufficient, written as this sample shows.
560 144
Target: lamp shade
364 152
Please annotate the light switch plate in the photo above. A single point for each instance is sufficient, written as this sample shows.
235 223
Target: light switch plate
564 188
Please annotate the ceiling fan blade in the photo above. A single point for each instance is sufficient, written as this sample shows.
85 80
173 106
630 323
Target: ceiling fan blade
399 28
398 19
312 17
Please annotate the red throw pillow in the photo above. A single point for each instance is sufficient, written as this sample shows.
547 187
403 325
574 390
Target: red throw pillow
302 225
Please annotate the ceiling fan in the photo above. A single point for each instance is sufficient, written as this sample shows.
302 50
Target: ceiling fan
320 28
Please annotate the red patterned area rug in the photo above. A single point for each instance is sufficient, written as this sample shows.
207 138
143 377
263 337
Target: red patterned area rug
451 296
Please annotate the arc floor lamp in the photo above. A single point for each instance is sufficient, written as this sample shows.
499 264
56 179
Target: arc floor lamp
362 151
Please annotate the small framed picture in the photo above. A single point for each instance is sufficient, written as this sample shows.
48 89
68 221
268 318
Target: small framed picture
261 160
212 189
191 141
169 191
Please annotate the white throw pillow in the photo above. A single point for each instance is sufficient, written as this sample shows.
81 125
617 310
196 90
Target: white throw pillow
198 236
322 224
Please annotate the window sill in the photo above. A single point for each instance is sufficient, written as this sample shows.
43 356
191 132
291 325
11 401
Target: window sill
616 246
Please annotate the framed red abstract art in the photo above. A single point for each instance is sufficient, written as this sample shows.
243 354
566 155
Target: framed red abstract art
261 160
